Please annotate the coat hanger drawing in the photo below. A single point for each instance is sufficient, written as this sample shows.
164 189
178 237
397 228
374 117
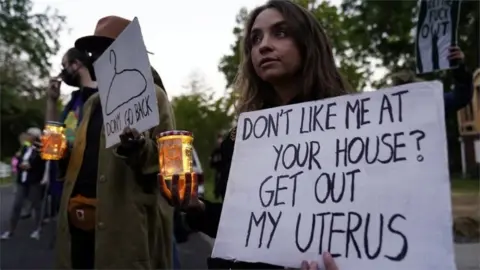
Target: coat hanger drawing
130 77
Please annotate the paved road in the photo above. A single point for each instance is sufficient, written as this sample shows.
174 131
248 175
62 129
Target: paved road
21 252
25 253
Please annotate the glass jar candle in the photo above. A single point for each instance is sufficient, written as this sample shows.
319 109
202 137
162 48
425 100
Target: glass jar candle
175 159
54 141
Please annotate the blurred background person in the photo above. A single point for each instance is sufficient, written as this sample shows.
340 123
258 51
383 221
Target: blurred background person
31 170
27 206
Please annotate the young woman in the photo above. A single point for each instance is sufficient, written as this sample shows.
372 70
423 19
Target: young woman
287 59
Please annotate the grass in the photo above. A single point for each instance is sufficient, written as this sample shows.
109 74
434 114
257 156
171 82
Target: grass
465 185
466 198
6 180
466 210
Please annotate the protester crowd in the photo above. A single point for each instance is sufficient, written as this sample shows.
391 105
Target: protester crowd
110 213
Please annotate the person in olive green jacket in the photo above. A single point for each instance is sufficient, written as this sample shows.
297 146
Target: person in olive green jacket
112 215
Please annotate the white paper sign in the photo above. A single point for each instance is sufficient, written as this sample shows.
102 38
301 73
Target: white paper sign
364 177
126 87
437 28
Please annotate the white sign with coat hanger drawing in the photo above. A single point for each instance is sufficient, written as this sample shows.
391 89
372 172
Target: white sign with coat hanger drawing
125 84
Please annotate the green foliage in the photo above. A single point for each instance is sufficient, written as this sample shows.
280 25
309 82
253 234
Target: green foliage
6 180
354 67
18 113
382 30
228 63
199 112
33 36
469 185
27 43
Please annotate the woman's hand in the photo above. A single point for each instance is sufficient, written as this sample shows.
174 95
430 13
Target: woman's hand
130 140
172 193
456 54
327 260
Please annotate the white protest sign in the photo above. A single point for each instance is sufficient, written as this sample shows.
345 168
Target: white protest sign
363 176
126 87
437 28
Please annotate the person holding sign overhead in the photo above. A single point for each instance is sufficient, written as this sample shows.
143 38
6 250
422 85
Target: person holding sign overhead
462 91
287 59
111 214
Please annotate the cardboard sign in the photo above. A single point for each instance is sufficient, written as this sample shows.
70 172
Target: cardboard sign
363 176
437 28
126 87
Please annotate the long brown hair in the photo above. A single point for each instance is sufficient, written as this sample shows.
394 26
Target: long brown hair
319 75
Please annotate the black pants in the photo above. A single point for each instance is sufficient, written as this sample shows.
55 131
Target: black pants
54 205
82 248
32 192
219 188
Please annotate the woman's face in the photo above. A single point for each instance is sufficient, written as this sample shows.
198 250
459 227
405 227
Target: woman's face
274 54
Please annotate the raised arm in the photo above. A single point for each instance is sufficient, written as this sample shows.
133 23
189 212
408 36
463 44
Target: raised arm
462 91
53 94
